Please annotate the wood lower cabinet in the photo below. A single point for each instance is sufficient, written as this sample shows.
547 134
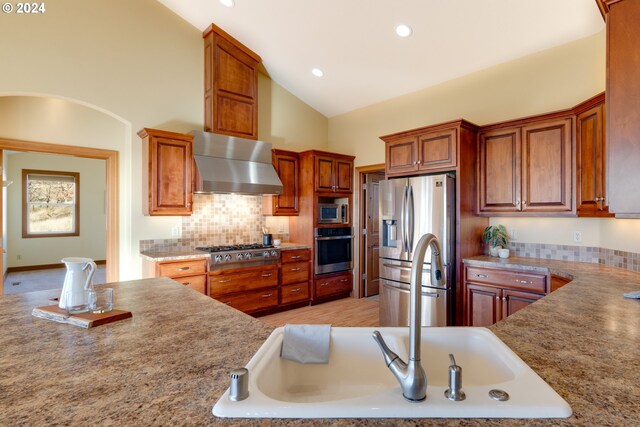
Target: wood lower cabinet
248 289
494 294
295 273
332 286
527 169
192 273
230 85
167 160
286 164
591 155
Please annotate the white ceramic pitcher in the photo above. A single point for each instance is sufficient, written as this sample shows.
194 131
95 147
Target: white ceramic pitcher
77 282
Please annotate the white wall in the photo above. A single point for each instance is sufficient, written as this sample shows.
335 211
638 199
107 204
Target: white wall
90 243
142 66
4 215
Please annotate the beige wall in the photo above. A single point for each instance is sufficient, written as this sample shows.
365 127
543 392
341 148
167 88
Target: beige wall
550 80
90 243
142 66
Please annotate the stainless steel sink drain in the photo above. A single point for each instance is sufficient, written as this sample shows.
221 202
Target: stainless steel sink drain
500 395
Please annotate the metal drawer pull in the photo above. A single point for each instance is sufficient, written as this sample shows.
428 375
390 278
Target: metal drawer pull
295 290
481 275
184 268
296 257
524 282
186 283
267 295
344 280
228 303
224 281
295 269
323 284
267 275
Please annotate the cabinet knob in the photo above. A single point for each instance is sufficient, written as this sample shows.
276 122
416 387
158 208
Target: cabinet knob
518 204
524 203
504 298
497 298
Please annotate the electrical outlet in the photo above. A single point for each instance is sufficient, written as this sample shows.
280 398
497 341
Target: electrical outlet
513 234
176 231
18 257
577 236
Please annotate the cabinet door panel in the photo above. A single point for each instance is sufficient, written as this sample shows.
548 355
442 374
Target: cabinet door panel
250 302
324 174
197 283
500 170
513 301
344 175
547 167
483 305
295 272
294 293
591 192
401 156
234 116
173 174
438 150
287 168
242 279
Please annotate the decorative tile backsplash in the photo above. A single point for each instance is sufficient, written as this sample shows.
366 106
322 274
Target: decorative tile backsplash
217 219
611 257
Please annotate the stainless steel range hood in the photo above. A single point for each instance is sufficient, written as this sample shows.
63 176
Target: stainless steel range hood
229 164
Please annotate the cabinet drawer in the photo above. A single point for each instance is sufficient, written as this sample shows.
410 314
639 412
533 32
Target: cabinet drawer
240 280
294 273
197 283
295 255
182 268
250 302
294 293
510 279
333 285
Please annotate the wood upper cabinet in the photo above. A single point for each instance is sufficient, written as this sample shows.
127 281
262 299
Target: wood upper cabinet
167 160
591 189
413 152
334 173
286 164
623 112
527 168
230 85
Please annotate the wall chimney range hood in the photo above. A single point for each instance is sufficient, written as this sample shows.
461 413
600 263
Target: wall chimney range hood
228 164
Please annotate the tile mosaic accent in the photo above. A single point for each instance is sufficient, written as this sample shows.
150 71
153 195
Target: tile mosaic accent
217 219
610 257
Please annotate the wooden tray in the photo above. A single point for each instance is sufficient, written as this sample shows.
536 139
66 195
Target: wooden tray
84 320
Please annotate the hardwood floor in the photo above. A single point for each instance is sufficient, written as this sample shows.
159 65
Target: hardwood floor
342 312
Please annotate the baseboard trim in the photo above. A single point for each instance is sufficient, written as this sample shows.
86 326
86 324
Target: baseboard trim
42 267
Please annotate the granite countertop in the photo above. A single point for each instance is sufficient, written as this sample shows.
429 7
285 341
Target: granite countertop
290 246
169 363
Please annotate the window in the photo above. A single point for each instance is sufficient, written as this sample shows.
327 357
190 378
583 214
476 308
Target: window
50 203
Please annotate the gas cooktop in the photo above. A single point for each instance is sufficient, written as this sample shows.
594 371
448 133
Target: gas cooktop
232 248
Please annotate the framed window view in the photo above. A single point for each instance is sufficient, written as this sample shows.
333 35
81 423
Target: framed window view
50 203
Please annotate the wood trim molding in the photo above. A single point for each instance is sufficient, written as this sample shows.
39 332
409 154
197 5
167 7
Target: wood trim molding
222 33
605 6
589 103
45 266
431 128
111 158
561 114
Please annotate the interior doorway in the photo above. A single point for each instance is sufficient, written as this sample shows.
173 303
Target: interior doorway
369 250
111 196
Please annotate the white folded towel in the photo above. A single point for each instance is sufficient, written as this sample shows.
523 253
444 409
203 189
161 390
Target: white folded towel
306 343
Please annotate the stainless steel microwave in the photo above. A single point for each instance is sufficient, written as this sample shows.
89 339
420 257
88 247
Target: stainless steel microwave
333 213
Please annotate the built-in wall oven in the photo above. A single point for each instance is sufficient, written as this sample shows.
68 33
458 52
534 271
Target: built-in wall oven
333 249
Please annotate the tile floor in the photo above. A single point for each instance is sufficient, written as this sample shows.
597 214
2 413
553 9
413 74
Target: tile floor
39 280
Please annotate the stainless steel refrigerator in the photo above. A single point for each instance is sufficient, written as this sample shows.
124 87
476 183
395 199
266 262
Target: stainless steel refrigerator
410 208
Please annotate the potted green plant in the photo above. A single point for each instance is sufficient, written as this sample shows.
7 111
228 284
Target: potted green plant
496 237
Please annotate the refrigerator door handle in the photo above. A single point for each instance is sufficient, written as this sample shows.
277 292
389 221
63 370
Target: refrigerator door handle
403 219
411 219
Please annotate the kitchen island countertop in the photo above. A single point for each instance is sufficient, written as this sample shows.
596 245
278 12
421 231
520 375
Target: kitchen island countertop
169 363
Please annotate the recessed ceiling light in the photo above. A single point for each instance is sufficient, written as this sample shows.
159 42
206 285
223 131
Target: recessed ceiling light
403 30
317 72
228 3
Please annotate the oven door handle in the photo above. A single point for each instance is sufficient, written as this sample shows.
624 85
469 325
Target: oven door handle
334 238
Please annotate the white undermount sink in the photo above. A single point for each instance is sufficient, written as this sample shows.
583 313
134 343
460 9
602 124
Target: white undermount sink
357 384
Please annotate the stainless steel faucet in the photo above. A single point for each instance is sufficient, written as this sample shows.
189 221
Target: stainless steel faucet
411 376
